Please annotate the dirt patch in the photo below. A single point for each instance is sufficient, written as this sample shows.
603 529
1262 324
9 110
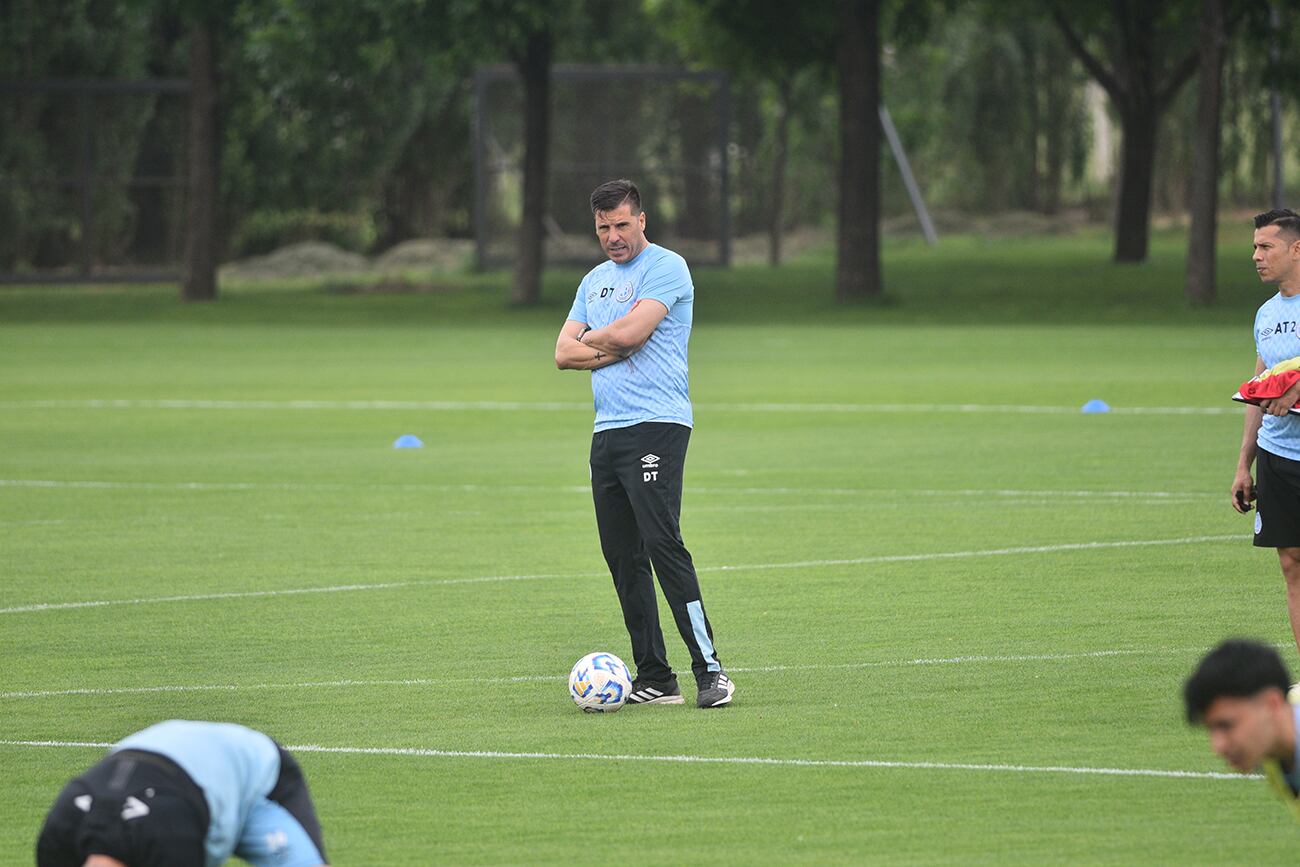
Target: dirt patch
438 254
317 259
297 260
444 255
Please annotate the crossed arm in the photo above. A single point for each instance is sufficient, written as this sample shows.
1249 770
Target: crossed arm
580 349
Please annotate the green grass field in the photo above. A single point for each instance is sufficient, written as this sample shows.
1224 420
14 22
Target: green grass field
942 611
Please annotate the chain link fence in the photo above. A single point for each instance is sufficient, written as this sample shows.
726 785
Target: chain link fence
665 129
92 180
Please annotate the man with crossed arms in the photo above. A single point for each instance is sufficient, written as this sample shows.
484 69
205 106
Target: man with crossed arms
629 325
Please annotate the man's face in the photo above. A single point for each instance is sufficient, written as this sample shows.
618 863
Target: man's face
1245 731
621 233
1276 255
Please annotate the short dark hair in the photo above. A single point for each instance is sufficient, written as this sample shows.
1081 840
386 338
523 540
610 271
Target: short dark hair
611 194
1237 668
1286 220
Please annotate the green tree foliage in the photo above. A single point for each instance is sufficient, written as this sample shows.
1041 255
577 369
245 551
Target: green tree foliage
352 121
777 54
526 32
1249 74
327 104
991 110
1142 54
772 41
43 137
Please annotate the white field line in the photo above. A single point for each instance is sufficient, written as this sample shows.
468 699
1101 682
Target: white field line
551 406
959 492
92 484
706 760
752 567
427 405
245 594
555 678
894 504
259 687
992 552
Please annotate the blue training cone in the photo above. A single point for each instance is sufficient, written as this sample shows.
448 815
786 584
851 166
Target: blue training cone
1096 405
408 441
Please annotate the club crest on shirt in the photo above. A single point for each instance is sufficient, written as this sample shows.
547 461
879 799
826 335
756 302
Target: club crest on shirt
624 292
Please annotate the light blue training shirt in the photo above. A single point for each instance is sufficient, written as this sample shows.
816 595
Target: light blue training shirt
650 385
236 767
1276 340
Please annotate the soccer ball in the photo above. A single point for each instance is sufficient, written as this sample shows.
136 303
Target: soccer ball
600 683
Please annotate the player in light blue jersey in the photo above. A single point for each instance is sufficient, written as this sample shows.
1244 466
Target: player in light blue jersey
1271 439
629 325
1238 692
185 794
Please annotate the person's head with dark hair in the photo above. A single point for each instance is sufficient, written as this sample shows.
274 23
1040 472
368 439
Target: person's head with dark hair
1281 217
620 222
609 195
1277 249
1239 693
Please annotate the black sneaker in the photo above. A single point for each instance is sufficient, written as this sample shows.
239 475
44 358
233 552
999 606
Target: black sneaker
653 692
715 689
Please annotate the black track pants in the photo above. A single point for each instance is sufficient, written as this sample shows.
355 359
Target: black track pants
636 482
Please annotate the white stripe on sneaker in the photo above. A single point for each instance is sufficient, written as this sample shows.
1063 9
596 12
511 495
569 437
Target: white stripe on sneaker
722 684
650 695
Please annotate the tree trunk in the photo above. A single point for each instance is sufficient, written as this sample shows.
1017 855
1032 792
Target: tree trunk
1034 80
535 66
857 270
779 159
1057 94
200 244
1140 94
1200 288
1136 180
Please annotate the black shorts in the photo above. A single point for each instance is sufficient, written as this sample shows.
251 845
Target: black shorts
291 793
135 806
92 815
1277 501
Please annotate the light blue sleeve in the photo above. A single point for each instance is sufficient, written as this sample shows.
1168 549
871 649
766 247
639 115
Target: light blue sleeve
578 312
272 837
668 281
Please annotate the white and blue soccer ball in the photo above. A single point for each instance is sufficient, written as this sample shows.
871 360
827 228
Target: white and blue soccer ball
600 683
